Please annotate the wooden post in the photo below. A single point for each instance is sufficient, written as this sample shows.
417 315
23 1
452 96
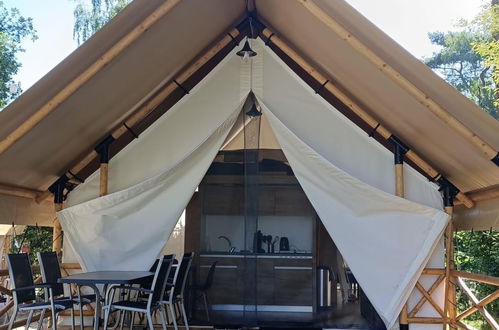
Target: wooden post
449 192
486 149
273 40
399 151
89 72
58 190
103 150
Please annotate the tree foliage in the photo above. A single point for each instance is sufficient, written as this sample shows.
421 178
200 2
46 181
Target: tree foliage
478 252
34 239
14 28
90 17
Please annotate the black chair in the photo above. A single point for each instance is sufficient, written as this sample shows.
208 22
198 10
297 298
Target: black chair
152 304
175 289
203 288
51 273
24 294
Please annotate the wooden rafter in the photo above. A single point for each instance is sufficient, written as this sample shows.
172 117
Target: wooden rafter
273 40
486 149
482 195
86 75
19 192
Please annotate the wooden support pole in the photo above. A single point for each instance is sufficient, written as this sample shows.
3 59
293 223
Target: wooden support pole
103 150
88 73
58 190
330 86
57 231
399 151
450 290
486 149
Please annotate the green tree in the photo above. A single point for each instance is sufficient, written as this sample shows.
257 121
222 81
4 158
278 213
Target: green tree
91 16
34 239
459 64
14 28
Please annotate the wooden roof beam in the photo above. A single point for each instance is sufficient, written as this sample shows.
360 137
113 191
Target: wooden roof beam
486 149
271 39
86 75
482 195
20 192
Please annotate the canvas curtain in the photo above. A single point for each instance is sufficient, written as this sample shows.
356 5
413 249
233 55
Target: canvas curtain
153 178
349 179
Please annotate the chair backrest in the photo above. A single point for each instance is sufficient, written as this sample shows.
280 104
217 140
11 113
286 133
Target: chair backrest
51 271
209 277
160 278
182 273
21 276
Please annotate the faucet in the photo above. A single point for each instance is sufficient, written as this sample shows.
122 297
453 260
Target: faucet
231 248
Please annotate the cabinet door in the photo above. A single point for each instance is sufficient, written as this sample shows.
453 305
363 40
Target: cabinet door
226 288
265 282
293 285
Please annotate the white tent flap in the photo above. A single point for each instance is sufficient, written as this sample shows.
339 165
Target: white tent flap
153 178
143 215
386 240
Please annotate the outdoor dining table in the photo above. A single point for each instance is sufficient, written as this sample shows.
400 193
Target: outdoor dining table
107 279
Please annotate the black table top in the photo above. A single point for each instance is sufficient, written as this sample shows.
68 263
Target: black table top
108 277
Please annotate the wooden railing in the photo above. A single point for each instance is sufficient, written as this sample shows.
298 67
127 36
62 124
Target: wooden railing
10 303
458 278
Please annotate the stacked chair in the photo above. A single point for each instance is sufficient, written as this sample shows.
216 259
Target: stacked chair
24 294
51 273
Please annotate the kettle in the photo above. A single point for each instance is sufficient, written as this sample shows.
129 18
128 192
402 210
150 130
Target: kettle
284 244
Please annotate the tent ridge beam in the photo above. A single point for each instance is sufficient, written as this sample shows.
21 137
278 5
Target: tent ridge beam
145 108
486 149
359 111
86 75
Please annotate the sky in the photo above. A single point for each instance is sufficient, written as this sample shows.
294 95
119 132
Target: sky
406 21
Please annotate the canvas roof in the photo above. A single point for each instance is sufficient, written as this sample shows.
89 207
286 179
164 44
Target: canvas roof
103 102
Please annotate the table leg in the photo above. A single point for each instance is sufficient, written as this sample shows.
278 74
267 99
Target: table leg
98 306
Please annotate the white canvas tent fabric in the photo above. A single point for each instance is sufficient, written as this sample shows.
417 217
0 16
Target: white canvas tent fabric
336 163
152 180
386 240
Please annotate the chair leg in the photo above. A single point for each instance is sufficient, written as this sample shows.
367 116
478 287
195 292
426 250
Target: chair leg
184 314
28 321
149 320
162 316
122 318
174 317
82 322
72 318
12 319
205 298
132 320
40 322
106 316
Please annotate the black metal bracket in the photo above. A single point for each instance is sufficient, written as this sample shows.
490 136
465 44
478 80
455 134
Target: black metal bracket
399 149
375 128
234 40
185 90
57 188
449 190
103 149
74 176
135 135
269 39
495 160
318 90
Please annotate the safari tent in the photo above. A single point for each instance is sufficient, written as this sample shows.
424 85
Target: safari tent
325 127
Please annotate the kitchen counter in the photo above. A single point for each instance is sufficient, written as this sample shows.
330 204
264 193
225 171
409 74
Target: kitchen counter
282 255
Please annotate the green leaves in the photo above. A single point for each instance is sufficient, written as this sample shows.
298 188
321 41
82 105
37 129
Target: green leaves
89 19
14 28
